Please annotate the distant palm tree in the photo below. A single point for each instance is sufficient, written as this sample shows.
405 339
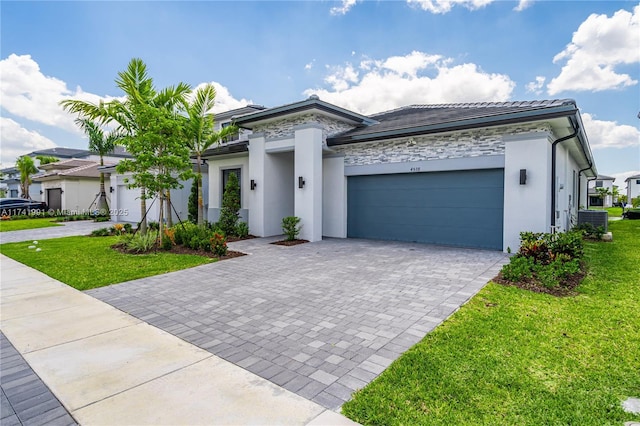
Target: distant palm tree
201 133
46 159
102 144
26 167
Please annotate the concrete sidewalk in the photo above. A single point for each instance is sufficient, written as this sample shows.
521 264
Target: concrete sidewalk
107 367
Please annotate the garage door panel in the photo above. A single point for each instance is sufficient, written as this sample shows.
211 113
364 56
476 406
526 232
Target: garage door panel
462 208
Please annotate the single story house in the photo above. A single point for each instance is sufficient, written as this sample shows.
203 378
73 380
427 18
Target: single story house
70 185
601 181
468 174
633 187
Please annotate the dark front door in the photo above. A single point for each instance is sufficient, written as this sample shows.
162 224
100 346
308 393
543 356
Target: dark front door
54 198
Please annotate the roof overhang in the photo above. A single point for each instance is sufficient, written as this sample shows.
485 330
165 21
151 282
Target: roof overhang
312 104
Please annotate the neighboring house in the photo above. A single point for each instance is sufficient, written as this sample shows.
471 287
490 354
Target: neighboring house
70 185
633 187
11 179
125 202
12 176
473 175
601 181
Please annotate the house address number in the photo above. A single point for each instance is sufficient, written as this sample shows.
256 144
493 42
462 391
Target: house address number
415 169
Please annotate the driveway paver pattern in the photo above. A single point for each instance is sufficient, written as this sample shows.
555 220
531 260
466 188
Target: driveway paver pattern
24 397
319 319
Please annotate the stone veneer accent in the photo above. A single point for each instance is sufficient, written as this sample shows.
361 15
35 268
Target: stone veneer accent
474 143
284 128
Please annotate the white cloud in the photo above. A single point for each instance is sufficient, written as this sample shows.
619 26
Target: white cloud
597 47
609 134
522 5
224 100
27 93
343 8
444 6
17 141
309 65
536 86
379 85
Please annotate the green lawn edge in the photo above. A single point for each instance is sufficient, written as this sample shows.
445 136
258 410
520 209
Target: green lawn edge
22 224
89 262
510 356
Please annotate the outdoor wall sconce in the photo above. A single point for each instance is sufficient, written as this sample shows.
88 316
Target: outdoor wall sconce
301 182
41 192
523 176
253 184
111 189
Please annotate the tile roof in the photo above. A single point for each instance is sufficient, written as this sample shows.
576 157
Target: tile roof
414 116
89 169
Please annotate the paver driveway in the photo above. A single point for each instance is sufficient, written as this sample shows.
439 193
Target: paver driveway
320 319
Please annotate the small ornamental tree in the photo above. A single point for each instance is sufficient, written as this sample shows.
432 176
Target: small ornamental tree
193 201
230 212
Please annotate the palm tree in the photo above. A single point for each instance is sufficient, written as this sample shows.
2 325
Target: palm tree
202 136
46 159
102 144
26 167
138 87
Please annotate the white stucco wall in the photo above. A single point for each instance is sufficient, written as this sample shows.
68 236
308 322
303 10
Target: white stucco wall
526 207
124 203
633 189
215 189
279 186
334 198
566 189
308 164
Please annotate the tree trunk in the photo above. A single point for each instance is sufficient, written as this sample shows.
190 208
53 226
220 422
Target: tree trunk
160 219
200 200
143 211
168 214
103 205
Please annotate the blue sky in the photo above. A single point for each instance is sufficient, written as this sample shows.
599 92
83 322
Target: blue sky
367 56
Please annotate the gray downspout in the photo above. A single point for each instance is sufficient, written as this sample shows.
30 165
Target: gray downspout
588 180
553 172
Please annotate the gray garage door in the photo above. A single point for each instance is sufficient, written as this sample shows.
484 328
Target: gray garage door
460 208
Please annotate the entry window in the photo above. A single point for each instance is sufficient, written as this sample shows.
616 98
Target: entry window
638 181
225 178
598 184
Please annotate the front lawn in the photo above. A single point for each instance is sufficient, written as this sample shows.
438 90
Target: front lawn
20 224
613 211
511 356
90 262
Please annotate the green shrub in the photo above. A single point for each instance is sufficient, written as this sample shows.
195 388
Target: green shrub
589 231
128 228
230 211
193 202
102 219
569 243
153 225
184 231
553 274
635 202
518 268
101 232
139 243
290 227
242 229
218 244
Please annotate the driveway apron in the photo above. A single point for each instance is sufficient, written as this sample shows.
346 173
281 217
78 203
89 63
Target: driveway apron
320 319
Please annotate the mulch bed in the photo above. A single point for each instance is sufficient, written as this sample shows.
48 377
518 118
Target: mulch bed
183 250
289 243
565 289
234 239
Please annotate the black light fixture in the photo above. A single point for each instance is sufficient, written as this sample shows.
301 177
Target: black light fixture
41 192
111 189
523 176
301 182
253 184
